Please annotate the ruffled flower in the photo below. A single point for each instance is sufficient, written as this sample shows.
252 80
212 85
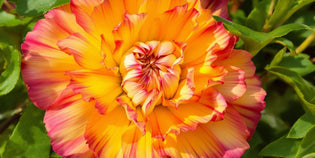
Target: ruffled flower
141 78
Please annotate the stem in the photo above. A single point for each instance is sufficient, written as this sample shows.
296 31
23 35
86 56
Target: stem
272 5
9 121
306 43
266 27
14 117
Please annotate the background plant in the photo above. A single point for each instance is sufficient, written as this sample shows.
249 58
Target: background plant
279 33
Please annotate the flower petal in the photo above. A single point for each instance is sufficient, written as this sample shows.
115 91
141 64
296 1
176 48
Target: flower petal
58 24
64 19
82 10
86 51
127 33
102 85
202 40
45 78
133 113
234 85
133 6
137 144
208 76
107 51
251 103
240 59
107 16
185 91
218 8
154 8
65 122
165 120
104 132
226 138
42 63
180 17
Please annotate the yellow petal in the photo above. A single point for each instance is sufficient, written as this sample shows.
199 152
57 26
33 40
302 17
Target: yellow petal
102 85
104 132
226 138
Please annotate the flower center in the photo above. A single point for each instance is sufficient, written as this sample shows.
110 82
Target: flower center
151 72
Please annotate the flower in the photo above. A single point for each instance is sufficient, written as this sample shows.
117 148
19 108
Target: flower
145 78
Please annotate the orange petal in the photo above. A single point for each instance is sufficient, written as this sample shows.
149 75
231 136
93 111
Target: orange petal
107 16
226 138
165 120
86 51
107 51
185 91
104 132
203 40
133 113
82 10
137 144
133 6
102 85
207 76
180 17
155 8
128 33
66 122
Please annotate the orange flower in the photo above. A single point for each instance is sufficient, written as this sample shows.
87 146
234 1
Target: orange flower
141 78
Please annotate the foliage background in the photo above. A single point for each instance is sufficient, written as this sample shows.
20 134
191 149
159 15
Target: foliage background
279 33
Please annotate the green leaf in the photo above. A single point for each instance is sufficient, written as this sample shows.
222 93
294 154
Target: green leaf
282 147
303 88
7 19
301 126
286 43
299 63
37 7
239 17
284 10
10 36
254 144
306 17
278 57
4 137
285 29
256 19
1 2
15 98
29 138
11 73
308 144
255 41
311 155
